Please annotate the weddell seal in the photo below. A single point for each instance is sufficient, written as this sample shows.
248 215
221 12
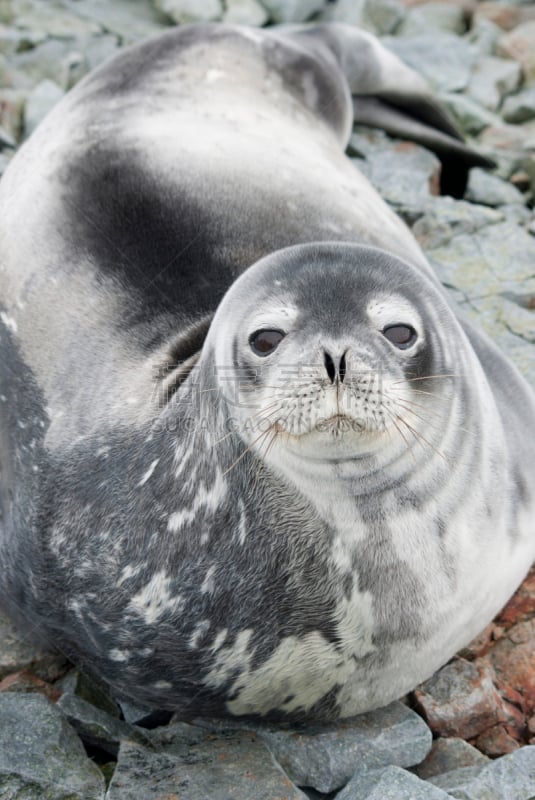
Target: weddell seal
253 462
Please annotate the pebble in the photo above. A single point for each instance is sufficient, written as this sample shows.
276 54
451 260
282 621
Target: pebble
444 59
40 101
513 657
505 15
381 17
519 44
389 783
192 764
460 700
519 107
511 777
470 116
490 190
433 16
40 754
325 757
292 10
492 79
449 754
245 12
183 11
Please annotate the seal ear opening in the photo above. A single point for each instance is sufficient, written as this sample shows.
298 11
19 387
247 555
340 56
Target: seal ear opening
425 122
182 355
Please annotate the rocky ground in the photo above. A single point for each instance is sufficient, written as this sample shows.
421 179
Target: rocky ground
468 732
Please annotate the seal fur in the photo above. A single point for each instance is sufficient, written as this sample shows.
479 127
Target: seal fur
186 195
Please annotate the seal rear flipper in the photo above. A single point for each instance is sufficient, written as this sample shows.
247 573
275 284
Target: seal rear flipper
390 95
456 157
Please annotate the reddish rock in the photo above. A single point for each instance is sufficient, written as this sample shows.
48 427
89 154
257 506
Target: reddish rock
24 681
447 755
496 741
513 659
482 643
519 44
506 17
460 700
521 606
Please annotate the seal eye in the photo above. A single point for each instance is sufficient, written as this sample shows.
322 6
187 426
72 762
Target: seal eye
402 336
265 341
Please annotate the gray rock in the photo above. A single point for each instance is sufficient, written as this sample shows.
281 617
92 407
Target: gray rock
326 756
55 60
489 267
445 218
519 44
492 79
183 11
511 776
434 16
13 40
41 757
131 20
471 117
96 727
18 652
245 12
52 18
448 754
192 764
389 783
444 59
292 10
489 190
382 17
405 175
519 107
40 101
484 35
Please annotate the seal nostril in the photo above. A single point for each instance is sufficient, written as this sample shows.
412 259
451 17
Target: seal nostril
329 366
342 368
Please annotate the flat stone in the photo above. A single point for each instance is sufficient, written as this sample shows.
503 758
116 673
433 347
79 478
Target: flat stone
183 11
40 101
433 16
519 44
96 727
41 757
490 190
444 218
389 783
326 756
503 14
245 12
444 59
381 17
18 652
449 754
492 79
512 776
471 117
52 18
405 175
519 107
192 764
292 10
460 700
484 35
131 20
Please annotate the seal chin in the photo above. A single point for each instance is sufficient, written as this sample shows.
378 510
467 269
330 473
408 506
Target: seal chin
340 437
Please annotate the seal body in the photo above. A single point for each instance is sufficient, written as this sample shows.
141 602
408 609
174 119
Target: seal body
253 462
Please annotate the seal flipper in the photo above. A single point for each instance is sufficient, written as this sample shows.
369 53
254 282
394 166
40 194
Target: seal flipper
390 95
